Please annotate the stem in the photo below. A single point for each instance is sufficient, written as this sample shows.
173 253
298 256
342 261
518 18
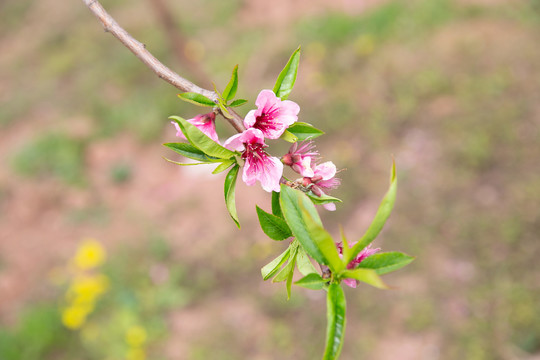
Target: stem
139 50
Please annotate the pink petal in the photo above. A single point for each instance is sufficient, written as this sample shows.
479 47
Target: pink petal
305 167
266 99
267 170
286 120
277 132
235 143
350 282
250 119
179 132
366 252
327 170
249 136
289 107
330 206
271 177
209 129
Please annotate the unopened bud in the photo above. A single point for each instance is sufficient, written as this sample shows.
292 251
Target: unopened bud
316 178
317 190
306 181
287 160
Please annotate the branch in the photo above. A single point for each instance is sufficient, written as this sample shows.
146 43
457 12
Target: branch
139 49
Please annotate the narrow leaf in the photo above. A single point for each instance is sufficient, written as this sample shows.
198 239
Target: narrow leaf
305 224
288 136
303 263
304 131
386 262
229 190
312 281
324 243
276 207
196 99
273 226
224 110
288 271
224 166
365 275
202 142
335 329
191 152
290 201
382 215
287 77
272 267
238 102
284 273
230 90
324 199
185 164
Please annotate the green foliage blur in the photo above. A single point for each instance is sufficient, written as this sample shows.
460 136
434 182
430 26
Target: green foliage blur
449 87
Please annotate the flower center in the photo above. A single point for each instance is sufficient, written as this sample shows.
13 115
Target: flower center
254 151
265 121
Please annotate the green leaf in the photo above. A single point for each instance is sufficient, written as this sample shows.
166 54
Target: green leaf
288 136
202 142
238 102
224 166
230 183
324 199
312 281
386 262
304 131
273 226
276 207
230 90
284 273
287 77
272 267
335 329
185 164
224 110
382 215
288 270
365 275
303 263
290 201
196 99
306 226
324 243
191 152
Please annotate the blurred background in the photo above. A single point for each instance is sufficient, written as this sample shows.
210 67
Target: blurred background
109 252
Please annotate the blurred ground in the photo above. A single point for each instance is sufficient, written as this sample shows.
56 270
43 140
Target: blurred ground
450 88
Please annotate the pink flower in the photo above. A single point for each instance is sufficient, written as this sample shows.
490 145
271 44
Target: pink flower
258 164
367 251
323 179
299 158
273 115
204 122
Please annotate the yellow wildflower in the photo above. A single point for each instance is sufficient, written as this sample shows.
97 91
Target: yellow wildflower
136 336
89 255
135 354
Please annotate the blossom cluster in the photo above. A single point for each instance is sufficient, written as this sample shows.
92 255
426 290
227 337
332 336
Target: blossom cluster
269 121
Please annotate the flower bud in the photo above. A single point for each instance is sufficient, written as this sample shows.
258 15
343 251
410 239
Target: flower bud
287 159
317 190
306 181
